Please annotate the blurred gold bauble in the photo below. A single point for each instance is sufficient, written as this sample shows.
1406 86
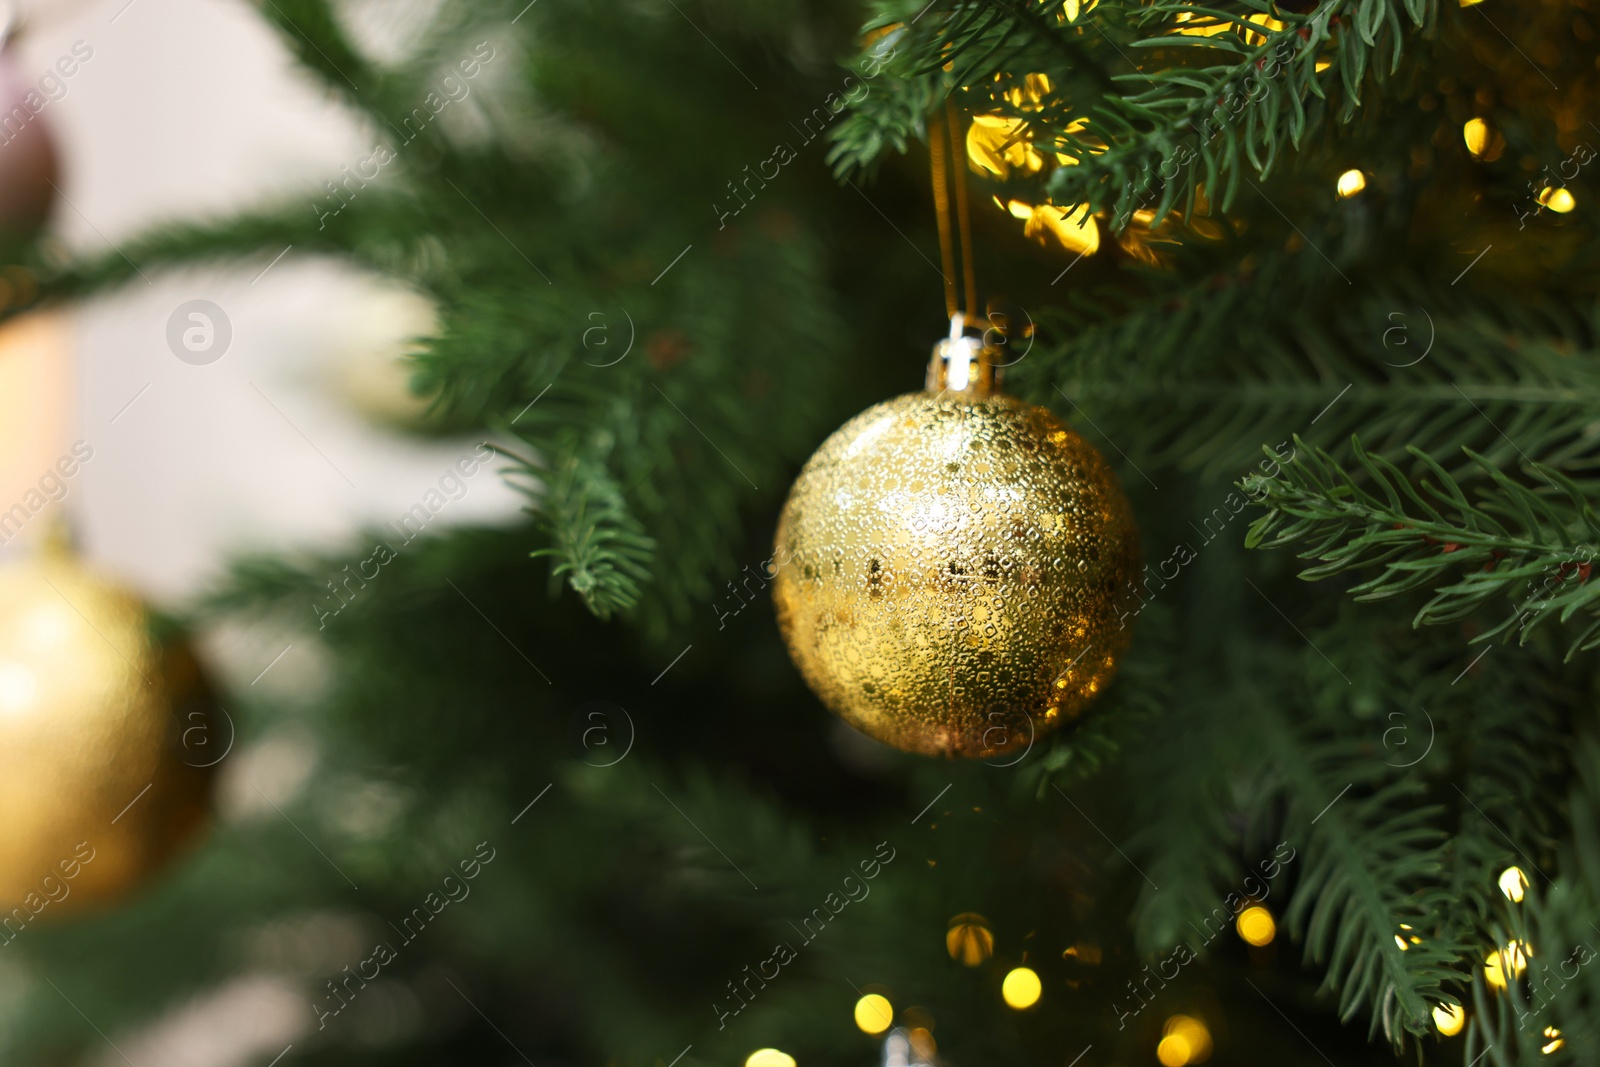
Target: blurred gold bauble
947 563
103 741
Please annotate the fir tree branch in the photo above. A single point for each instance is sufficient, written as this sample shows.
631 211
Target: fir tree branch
1214 93
1229 361
313 35
1550 1002
684 386
599 548
1189 848
1370 870
1512 540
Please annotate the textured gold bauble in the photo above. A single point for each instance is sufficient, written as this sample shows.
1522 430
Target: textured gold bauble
946 568
102 772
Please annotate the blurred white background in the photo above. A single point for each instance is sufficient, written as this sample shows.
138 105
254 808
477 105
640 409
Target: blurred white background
192 110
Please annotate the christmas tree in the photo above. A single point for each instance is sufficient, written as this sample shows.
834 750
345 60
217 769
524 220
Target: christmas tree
1312 276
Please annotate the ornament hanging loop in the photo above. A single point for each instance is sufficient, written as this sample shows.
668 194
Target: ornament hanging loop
944 128
960 363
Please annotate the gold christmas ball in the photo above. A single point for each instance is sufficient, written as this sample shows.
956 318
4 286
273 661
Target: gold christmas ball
106 736
946 568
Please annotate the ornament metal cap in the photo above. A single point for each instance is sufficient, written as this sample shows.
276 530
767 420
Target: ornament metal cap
962 364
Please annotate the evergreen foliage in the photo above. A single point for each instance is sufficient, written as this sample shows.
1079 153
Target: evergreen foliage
1237 303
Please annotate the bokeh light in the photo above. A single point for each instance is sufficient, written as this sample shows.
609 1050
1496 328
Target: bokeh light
1073 228
874 1013
1021 988
1483 140
1476 134
1558 200
1255 925
1351 182
1513 883
1511 960
768 1057
1184 1040
1448 1019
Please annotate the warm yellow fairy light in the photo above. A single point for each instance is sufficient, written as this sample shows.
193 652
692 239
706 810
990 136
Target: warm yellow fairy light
1558 200
1067 159
1173 1051
1072 228
1261 19
874 1013
1448 1019
768 1057
1034 88
999 145
1021 988
1255 925
1556 1040
1184 1040
1194 24
1511 960
1513 883
1476 134
1351 182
